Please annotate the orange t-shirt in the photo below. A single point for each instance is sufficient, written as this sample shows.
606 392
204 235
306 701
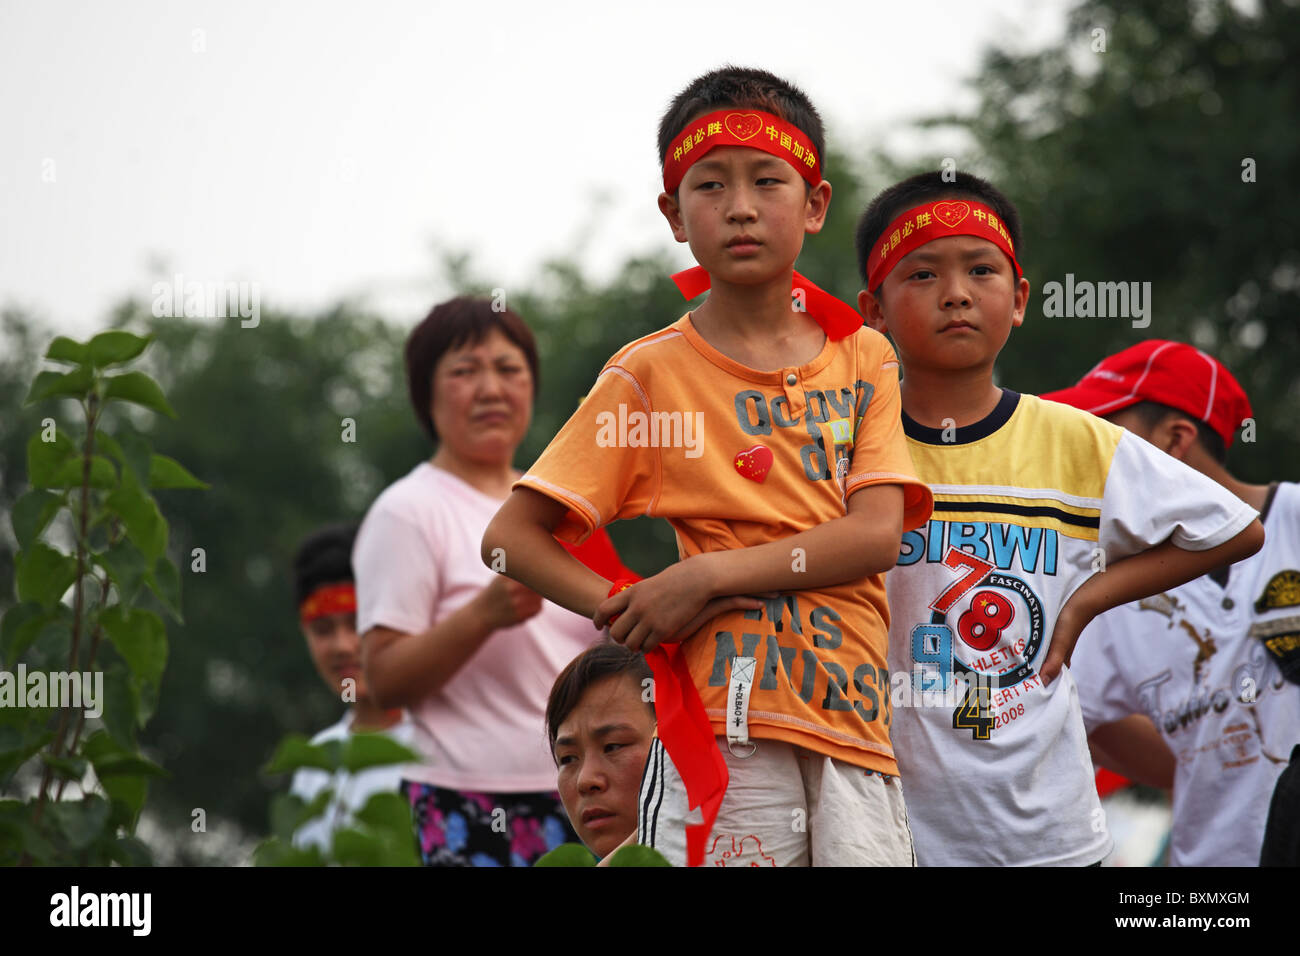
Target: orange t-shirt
733 457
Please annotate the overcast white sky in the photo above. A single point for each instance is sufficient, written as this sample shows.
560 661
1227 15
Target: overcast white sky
325 149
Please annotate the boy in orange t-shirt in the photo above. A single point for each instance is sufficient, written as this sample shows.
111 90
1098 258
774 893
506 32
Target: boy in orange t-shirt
767 431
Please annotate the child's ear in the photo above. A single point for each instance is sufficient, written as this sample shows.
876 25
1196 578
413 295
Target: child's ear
819 200
869 306
673 213
1021 302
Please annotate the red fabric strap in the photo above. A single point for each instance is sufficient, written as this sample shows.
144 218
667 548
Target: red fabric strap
687 735
734 127
838 319
935 220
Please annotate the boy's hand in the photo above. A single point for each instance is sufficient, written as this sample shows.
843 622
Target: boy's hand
506 602
671 606
1137 576
1065 634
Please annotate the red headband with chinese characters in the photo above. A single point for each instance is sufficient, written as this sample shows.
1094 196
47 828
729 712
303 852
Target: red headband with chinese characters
935 220
751 128
333 599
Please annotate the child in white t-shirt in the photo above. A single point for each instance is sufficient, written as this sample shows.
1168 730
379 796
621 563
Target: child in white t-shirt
1043 518
1207 662
327 610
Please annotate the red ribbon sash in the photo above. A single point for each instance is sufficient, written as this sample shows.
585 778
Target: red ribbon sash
688 737
838 319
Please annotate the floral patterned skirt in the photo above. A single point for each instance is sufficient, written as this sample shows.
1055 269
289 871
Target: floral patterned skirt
467 828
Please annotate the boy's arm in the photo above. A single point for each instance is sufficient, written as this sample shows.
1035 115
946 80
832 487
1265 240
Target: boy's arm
864 542
519 542
522 530
1133 747
1140 575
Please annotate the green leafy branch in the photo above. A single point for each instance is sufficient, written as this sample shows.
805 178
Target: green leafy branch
379 834
102 484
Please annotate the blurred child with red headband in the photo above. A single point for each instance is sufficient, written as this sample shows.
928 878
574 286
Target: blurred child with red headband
1032 500
764 425
327 614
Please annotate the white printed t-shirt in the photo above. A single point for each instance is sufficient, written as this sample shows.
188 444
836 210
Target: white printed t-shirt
416 561
1193 660
351 790
1028 503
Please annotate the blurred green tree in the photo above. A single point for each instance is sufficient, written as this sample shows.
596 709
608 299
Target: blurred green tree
1157 142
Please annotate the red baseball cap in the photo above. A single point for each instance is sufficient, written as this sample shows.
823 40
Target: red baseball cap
1171 373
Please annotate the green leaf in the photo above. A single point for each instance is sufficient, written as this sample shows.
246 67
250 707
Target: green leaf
114 346
131 851
25 624
49 384
110 759
45 458
80 821
28 614
289 812
70 473
44 574
167 472
69 768
121 705
387 811
353 847
64 349
136 453
568 854
638 855
122 773
140 638
165 583
126 568
139 389
140 516
374 750
297 751
16 747
32 512
279 853
19 836
128 794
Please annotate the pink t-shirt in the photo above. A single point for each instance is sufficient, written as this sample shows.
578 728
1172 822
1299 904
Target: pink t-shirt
417 561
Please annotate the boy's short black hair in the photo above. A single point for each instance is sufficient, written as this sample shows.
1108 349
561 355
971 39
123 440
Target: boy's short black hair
451 324
1151 414
594 664
324 557
928 187
743 88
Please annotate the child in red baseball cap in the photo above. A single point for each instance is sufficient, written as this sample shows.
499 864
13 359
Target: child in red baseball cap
764 426
1032 499
1213 663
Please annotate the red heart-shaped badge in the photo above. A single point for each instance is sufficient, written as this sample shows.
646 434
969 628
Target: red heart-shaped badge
754 463
951 213
743 125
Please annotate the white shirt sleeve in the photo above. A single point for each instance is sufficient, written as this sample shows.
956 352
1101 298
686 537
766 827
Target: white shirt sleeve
396 570
1150 496
1104 694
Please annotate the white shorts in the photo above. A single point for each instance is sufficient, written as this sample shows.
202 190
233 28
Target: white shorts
784 806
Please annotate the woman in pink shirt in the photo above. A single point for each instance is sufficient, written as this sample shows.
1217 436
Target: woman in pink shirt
470 653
